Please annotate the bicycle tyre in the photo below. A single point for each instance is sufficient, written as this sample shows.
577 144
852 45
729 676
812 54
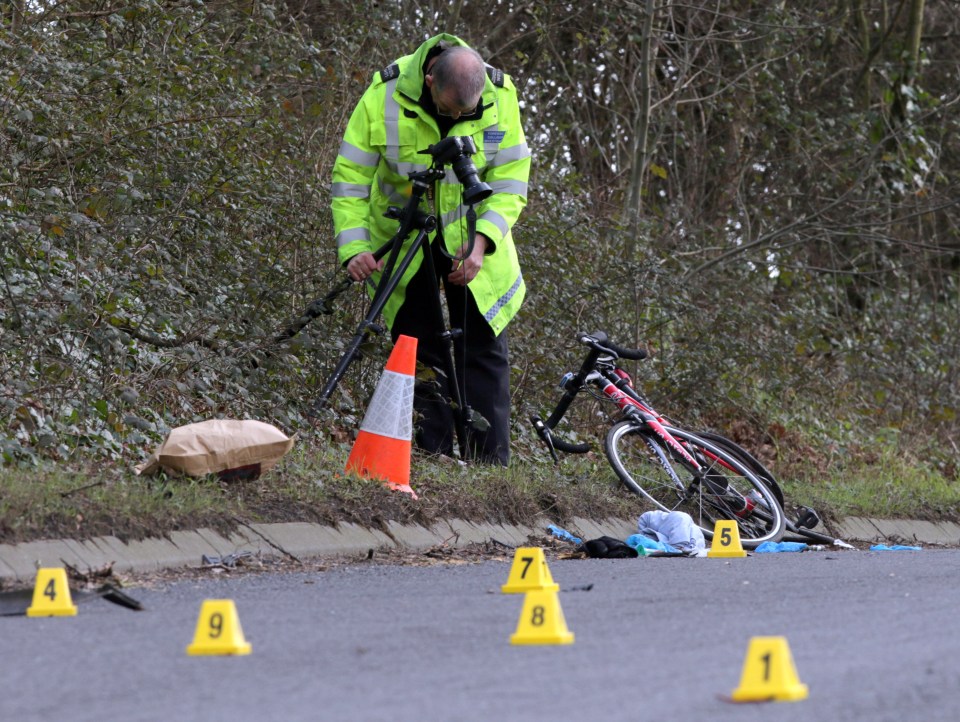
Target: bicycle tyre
649 469
748 459
791 532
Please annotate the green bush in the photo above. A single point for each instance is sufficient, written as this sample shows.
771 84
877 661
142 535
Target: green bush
164 213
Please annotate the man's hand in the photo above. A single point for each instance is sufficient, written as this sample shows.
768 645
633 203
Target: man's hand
362 265
468 268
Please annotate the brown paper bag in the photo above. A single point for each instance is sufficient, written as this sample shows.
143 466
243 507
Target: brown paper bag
230 448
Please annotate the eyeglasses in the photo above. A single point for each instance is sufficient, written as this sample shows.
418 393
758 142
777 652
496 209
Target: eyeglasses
460 114
450 113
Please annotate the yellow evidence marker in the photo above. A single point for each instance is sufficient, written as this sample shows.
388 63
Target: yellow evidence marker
541 620
218 630
51 595
726 540
769 673
529 571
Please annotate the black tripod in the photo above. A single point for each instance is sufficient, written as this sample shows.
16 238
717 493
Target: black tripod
412 219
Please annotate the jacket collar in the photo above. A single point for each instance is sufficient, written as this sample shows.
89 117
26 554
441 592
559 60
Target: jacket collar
410 82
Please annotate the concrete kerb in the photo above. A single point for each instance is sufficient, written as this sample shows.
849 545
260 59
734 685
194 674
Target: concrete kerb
6 571
511 535
587 529
300 539
854 527
93 557
356 538
902 531
948 534
142 555
192 544
303 540
28 557
463 533
240 541
16 557
414 536
118 554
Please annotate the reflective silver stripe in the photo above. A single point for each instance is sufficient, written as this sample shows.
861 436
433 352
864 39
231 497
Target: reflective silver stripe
460 213
350 190
451 217
508 155
406 169
510 186
390 193
352 234
497 220
384 415
504 299
353 154
391 120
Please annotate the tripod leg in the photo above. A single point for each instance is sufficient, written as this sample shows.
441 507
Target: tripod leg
475 363
387 285
460 410
483 361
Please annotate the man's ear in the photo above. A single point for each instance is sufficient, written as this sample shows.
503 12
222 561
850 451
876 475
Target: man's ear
429 80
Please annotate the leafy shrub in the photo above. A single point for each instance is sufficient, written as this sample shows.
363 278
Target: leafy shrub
164 212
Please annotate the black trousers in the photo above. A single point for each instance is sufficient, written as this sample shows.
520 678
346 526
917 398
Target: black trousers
482 364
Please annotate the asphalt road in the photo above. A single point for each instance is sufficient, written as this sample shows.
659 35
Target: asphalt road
874 636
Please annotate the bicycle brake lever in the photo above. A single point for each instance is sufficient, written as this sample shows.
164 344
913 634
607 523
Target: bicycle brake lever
544 433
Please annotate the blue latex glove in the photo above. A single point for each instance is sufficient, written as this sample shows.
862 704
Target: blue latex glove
769 547
564 534
640 540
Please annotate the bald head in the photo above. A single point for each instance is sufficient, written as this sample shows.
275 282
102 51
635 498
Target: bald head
459 74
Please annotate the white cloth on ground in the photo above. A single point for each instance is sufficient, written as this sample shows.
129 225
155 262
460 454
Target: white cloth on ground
674 527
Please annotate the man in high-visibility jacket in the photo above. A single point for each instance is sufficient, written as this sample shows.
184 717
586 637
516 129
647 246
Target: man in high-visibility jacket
442 89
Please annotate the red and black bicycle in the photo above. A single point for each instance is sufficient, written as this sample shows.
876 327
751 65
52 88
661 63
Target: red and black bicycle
704 475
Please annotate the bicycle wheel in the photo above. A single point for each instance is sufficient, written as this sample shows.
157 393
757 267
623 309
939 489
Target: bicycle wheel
724 489
792 532
748 459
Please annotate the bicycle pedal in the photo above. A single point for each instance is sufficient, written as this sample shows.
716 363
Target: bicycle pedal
807 518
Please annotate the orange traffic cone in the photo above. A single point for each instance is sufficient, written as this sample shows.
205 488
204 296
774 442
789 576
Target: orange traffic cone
382 449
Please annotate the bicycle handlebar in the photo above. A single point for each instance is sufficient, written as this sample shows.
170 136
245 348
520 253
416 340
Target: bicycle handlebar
600 342
600 345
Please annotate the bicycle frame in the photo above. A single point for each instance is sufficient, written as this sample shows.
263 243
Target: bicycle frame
600 371
631 404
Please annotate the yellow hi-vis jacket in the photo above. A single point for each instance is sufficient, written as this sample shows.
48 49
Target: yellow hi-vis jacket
380 147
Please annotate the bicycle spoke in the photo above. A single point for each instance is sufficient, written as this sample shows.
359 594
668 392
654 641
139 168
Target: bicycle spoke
722 489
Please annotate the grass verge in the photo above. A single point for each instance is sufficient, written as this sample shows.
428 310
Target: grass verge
889 486
53 501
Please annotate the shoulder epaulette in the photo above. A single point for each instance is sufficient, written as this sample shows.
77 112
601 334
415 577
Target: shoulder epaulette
390 72
496 76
